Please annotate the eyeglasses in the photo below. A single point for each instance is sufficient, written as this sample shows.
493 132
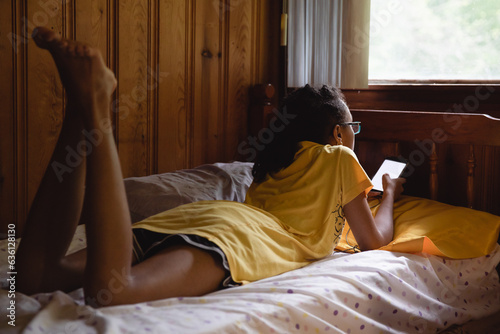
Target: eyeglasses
356 126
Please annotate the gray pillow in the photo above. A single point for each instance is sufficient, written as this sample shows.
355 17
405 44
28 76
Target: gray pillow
149 195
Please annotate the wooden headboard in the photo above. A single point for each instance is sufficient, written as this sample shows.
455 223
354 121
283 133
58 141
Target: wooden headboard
453 157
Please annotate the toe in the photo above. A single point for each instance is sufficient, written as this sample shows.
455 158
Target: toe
71 48
80 50
44 37
87 51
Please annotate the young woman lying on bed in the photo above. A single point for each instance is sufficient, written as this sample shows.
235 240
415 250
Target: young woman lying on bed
307 182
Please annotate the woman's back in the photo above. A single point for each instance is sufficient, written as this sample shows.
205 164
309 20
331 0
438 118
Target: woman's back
308 196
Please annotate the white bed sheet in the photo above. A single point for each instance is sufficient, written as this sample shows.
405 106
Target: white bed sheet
368 292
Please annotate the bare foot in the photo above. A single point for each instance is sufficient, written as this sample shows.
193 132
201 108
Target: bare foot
83 73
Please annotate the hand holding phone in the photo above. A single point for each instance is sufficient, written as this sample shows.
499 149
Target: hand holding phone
392 167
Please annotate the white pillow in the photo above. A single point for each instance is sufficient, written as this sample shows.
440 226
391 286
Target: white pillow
149 195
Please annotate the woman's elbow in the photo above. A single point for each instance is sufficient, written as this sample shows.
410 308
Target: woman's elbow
374 242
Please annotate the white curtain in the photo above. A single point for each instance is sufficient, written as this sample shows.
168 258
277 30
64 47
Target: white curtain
328 42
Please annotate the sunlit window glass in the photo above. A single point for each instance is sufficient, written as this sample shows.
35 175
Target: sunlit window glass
434 39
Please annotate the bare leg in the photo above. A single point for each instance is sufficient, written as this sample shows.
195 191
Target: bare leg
54 215
109 277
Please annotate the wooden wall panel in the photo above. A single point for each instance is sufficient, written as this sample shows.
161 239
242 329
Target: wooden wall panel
44 98
92 25
267 65
19 84
207 75
173 85
153 81
184 69
8 114
239 65
132 121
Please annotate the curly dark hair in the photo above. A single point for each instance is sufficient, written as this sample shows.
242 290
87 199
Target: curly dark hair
315 114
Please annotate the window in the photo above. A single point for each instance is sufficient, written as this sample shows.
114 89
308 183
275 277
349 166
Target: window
434 40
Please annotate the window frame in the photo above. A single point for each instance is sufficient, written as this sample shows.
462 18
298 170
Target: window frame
442 97
436 82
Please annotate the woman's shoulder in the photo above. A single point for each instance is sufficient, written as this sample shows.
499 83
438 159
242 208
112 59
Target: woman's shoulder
327 150
314 156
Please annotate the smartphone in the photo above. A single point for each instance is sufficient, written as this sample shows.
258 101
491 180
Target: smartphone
390 166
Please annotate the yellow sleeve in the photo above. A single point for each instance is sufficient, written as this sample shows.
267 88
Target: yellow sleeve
353 177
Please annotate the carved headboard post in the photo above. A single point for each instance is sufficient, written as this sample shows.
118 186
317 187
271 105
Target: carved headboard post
433 179
261 108
471 163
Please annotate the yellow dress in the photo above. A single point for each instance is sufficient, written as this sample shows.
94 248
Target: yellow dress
293 217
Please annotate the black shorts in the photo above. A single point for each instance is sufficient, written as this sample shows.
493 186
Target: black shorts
147 243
